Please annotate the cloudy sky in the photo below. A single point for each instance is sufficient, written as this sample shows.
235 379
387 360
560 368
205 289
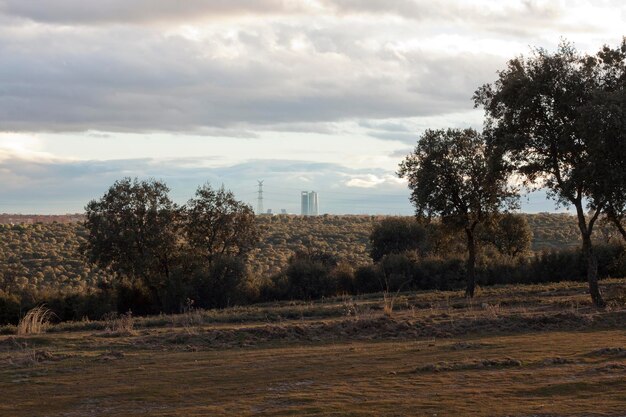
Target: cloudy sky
324 95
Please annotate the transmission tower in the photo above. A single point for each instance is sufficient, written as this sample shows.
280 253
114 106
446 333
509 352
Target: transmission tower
259 204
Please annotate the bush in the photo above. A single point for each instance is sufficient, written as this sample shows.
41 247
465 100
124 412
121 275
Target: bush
396 235
368 279
221 284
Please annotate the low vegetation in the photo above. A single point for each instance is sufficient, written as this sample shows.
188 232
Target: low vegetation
45 263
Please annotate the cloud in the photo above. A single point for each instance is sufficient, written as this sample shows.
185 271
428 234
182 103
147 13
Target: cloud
55 82
371 181
520 13
143 11
284 65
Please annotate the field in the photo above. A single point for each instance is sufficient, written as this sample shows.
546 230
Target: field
513 351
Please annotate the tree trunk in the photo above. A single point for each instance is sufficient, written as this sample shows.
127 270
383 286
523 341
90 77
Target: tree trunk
592 271
589 256
471 263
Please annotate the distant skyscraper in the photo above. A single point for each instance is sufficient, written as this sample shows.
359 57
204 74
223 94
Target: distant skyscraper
304 203
314 208
309 203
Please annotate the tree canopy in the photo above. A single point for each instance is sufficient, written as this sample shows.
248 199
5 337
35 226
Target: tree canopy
217 224
557 117
454 174
133 230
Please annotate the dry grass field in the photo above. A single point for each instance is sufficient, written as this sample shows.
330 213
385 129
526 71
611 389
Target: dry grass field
539 350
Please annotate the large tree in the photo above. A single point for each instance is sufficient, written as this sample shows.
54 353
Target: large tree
217 224
548 115
133 230
455 175
603 121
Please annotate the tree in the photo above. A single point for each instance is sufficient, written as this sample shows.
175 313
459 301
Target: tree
309 274
454 174
509 233
397 235
220 284
133 230
603 120
217 224
548 115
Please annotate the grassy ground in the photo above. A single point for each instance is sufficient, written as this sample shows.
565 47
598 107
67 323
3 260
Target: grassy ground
514 351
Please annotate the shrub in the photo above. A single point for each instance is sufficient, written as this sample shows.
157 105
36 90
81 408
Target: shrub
221 284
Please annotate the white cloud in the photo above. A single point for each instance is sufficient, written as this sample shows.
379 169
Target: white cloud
372 181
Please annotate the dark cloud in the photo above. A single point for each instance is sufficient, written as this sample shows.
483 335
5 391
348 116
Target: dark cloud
74 71
141 11
141 81
79 12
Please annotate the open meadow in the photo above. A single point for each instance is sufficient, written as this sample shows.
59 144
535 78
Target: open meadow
535 350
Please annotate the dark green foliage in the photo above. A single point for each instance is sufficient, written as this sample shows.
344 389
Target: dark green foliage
309 275
397 271
509 233
395 235
216 224
9 308
454 175
369 278
559 118
134 230
172 255
220 284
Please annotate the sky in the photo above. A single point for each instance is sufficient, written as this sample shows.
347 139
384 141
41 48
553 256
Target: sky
324 95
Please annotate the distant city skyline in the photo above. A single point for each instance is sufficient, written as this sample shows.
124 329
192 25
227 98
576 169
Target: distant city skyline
322 95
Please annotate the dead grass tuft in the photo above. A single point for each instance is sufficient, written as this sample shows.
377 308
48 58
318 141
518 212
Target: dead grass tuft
35 321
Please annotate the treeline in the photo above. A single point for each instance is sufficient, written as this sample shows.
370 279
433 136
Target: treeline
47 257
47 263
